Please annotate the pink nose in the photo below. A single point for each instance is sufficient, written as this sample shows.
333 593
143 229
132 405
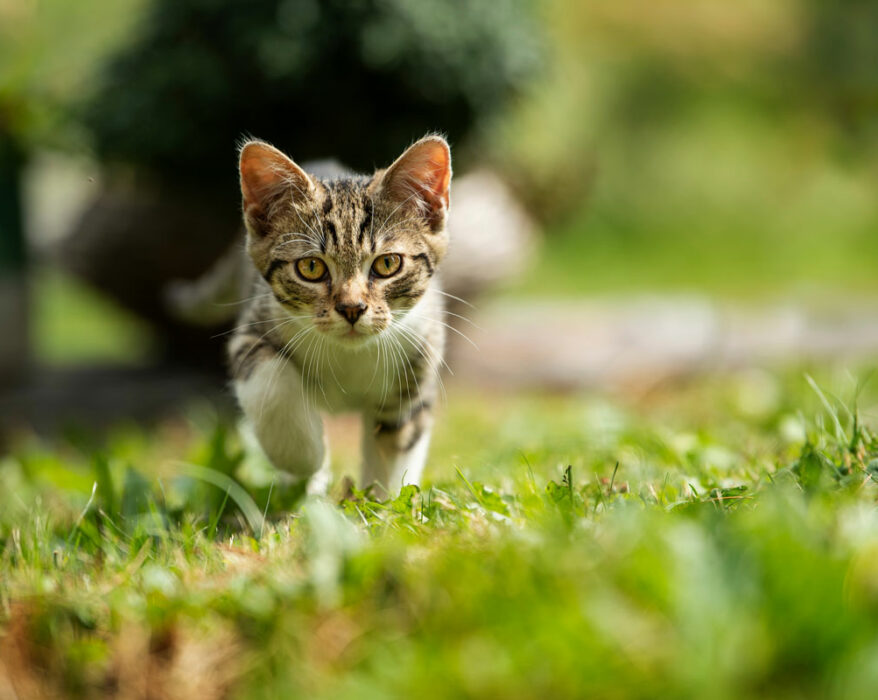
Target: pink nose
351 312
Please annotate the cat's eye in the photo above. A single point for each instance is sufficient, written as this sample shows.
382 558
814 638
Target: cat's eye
311 269
387 265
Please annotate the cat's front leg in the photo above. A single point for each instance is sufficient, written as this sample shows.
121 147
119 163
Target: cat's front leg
395 448
275 402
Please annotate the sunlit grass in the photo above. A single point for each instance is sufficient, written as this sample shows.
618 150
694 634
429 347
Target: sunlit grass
715 539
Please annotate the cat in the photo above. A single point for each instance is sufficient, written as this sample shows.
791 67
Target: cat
345 311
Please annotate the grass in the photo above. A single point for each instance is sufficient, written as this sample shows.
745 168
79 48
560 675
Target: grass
716 539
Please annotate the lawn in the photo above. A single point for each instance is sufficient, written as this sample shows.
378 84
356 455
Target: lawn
711 539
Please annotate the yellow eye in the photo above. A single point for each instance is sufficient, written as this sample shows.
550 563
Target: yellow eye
387 265
311 269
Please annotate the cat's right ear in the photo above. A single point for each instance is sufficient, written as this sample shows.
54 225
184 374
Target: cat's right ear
421 178
266 176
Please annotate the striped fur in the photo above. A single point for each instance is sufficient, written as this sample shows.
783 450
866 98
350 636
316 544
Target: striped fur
297 351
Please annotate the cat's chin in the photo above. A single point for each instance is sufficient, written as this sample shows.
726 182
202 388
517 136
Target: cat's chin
354 338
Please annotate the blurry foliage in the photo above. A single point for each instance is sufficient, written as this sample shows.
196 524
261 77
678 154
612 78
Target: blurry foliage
628 76
837 67
73 324
671 143
351 80
48 51
701 145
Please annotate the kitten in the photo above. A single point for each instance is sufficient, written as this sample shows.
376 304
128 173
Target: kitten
346 312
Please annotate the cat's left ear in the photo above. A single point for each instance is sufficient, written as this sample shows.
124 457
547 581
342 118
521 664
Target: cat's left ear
421 178
267 175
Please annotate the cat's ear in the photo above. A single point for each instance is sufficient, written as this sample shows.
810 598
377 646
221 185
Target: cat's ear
421 177
266 175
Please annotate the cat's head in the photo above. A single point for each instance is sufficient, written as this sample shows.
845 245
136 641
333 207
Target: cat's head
348 255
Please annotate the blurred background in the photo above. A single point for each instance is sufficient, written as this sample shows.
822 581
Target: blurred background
656 470
690 184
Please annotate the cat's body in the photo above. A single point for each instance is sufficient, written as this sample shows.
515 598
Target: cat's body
346 311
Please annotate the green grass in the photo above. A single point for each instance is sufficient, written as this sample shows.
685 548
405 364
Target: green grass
716 539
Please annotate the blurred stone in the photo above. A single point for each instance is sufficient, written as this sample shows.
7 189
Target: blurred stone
491 236
640 342
56 190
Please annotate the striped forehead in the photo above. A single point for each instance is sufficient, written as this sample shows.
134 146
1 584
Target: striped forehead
346 219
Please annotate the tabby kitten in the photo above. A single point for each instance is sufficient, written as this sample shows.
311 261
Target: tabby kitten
346 309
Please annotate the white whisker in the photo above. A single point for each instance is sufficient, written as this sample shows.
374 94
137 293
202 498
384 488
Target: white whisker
259 323
451 296
244 301
453 329
462 318
429 353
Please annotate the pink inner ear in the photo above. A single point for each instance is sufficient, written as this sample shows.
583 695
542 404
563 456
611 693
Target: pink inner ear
434 173
425 169
259 177
265 172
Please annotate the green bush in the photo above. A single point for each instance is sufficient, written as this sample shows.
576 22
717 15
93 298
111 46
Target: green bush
351 80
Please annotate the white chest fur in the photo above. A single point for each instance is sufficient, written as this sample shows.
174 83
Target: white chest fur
362 377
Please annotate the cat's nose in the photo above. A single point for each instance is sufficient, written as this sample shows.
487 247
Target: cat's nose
351 312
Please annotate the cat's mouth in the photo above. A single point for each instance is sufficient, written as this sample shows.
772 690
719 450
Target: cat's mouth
350 335
354 335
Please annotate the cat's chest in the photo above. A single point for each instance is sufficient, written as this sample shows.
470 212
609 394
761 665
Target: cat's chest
351 381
